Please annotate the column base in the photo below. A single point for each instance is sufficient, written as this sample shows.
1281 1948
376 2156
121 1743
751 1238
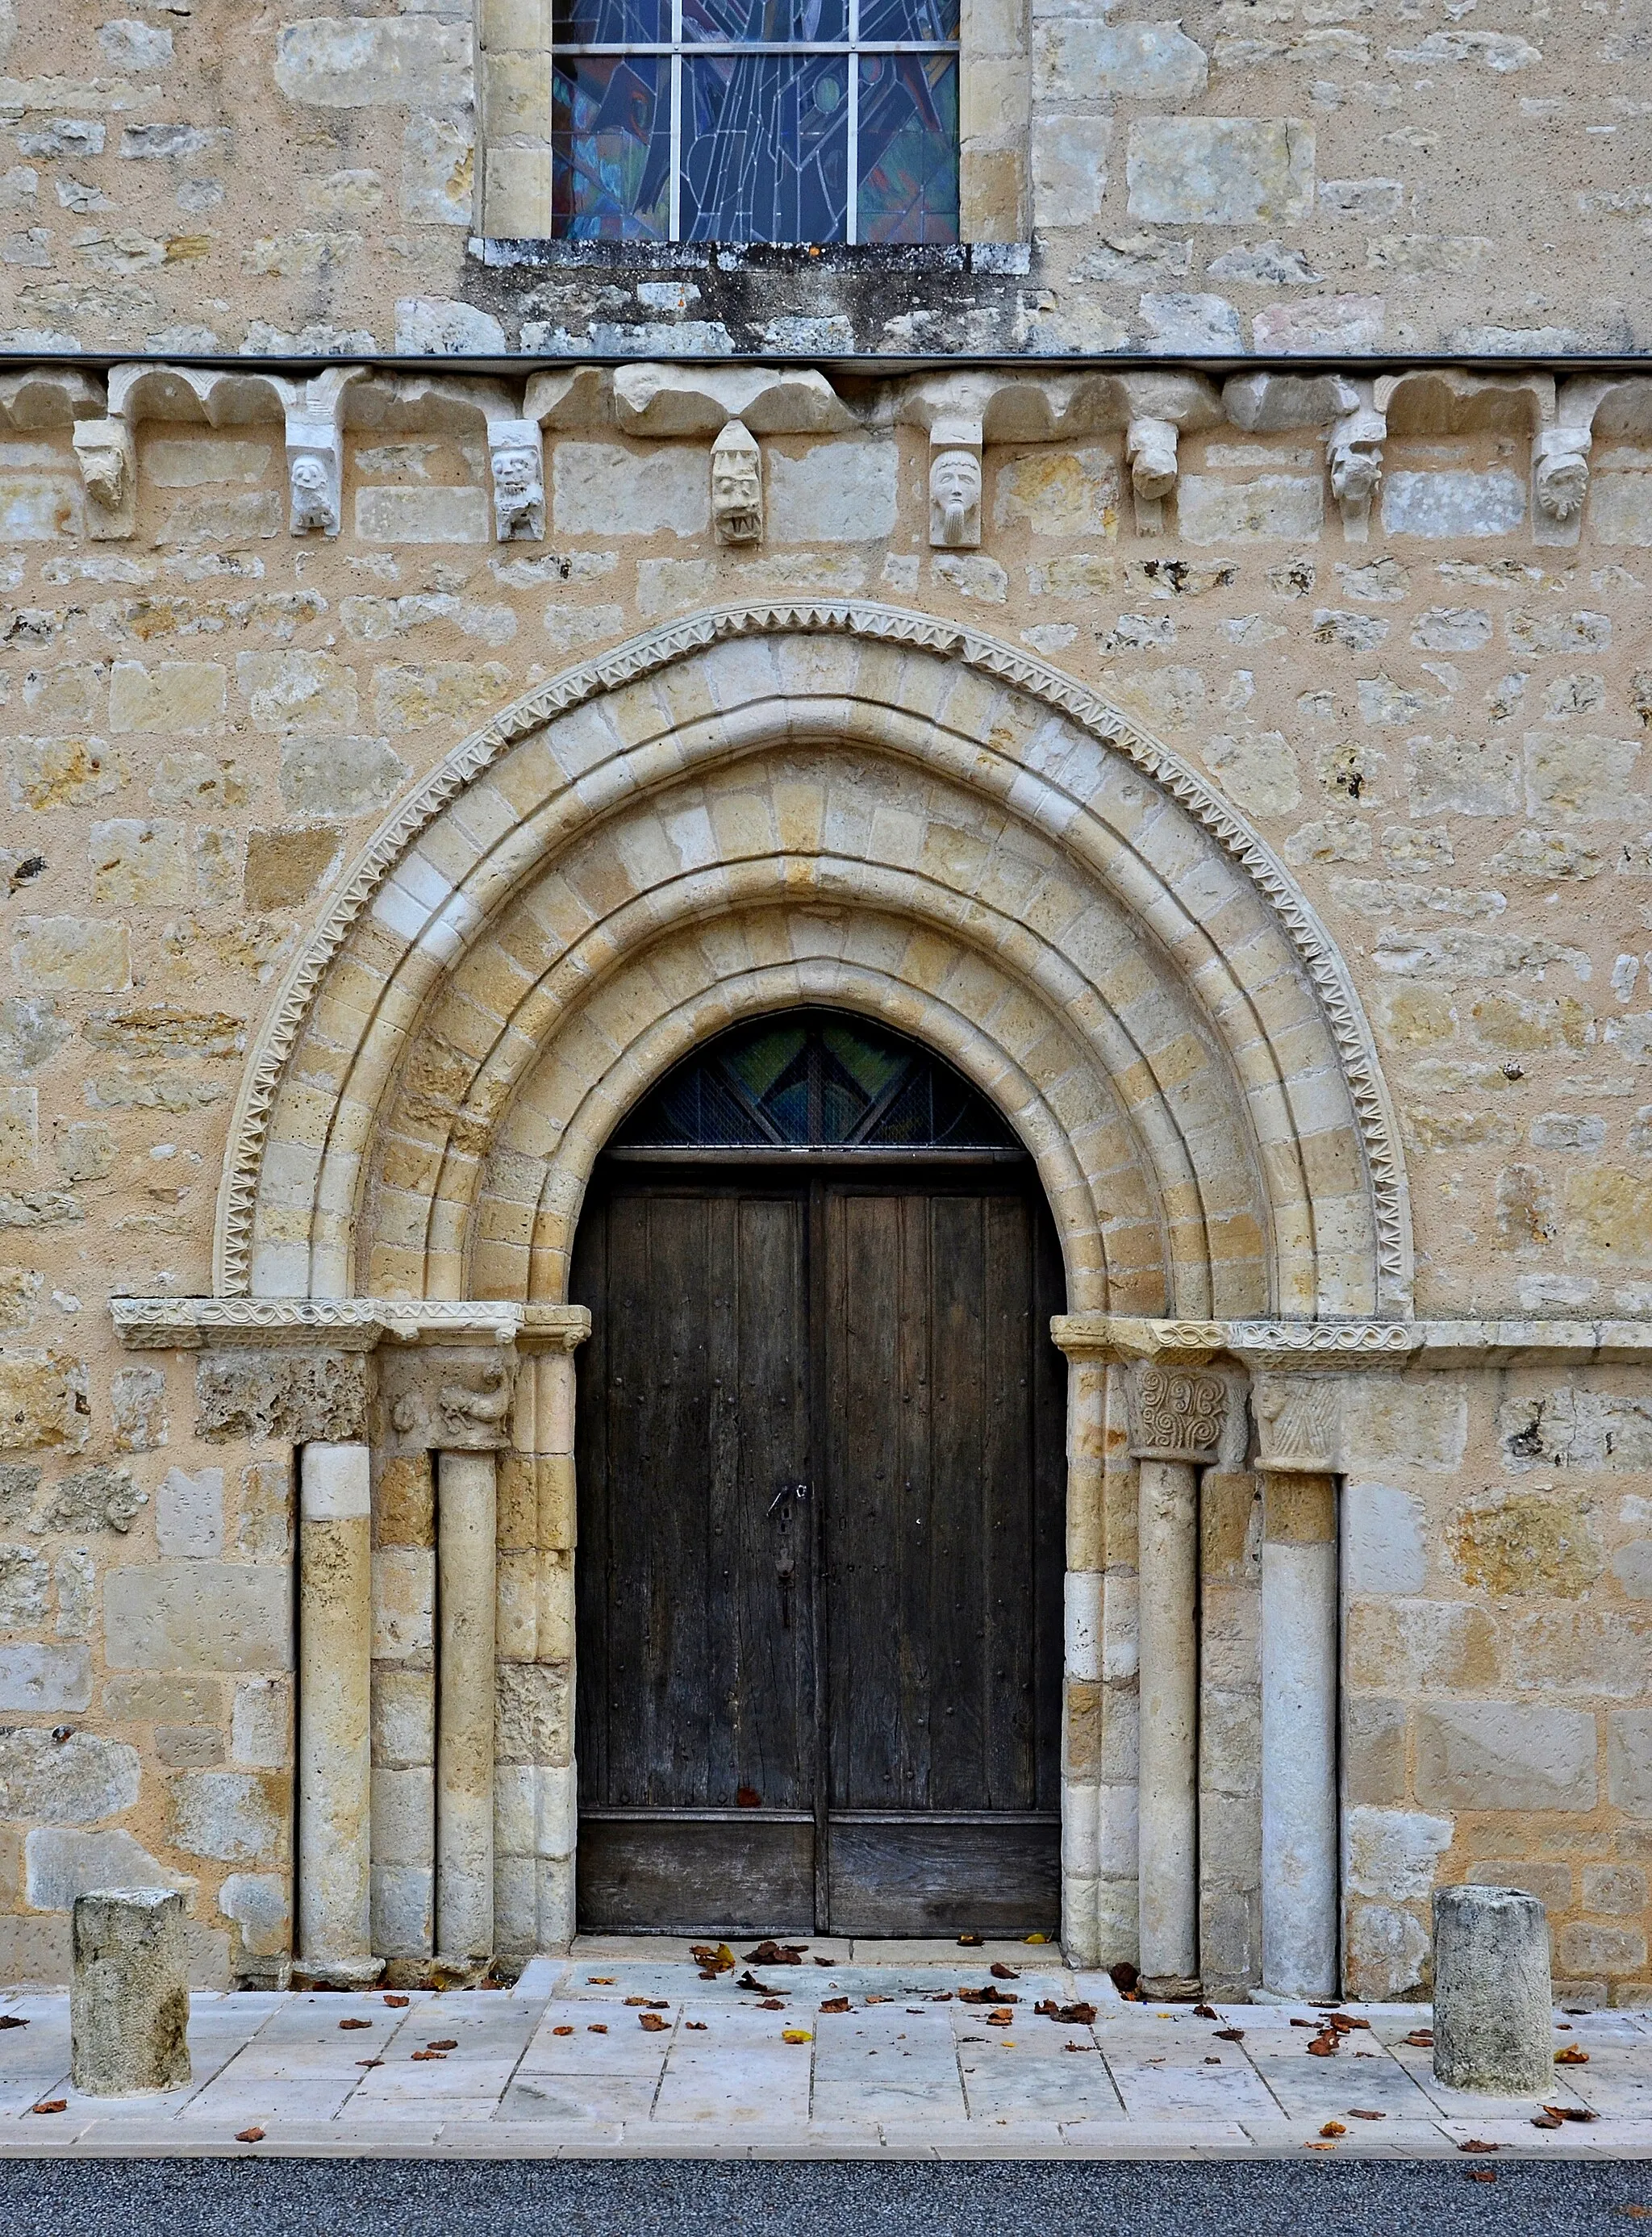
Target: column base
1171 1988
451 1972
337 1972
1260 1996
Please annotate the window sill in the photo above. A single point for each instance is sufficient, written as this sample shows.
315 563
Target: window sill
1010 257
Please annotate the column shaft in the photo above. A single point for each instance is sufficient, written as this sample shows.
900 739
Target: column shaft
1300 1876
465 1526
1167 1559
334 1718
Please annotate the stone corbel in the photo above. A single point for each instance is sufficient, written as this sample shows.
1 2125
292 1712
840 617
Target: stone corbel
955 484
1560 461
1150 454
516 459
1272 403
108 465
315 450
1353 452
737 485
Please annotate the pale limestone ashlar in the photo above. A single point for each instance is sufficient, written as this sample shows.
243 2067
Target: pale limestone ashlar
955 484
1493 2007
295 1395
129 2003
467 1531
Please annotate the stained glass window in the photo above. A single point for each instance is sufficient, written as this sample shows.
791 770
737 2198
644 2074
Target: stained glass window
814 1079
805 121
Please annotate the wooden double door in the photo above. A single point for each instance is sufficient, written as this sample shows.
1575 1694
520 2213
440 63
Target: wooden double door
820 1454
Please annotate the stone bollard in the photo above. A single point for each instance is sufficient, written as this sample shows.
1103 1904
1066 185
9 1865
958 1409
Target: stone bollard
129 1998
1493 2005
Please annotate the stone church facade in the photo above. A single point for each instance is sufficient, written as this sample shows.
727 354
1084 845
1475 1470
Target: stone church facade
455 670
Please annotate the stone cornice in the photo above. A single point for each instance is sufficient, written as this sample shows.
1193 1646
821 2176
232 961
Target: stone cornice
338 1324
1281 1345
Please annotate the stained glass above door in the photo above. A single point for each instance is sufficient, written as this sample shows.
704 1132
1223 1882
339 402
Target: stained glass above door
815 1079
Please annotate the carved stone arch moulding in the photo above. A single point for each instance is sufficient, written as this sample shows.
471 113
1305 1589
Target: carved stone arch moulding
450 919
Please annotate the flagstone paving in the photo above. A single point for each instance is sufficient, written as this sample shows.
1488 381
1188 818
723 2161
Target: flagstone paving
624 2049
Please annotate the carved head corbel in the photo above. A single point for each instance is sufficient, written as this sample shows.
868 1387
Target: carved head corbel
1353 449
737 485
109 471
1560 471
315 477
955 485
516 451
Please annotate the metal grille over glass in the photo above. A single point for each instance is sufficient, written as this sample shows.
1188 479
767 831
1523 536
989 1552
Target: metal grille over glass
814 1079
805 121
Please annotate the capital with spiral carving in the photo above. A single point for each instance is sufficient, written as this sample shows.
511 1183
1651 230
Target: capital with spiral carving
1176 1415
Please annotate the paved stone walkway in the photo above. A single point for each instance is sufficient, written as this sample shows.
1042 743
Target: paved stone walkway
624 2050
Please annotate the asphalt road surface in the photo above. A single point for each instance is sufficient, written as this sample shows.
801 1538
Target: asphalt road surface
461 2198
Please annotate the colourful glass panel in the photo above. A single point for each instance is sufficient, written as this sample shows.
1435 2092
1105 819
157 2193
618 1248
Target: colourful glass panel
764 148
908 19
611 147
611 23
771 22
909 132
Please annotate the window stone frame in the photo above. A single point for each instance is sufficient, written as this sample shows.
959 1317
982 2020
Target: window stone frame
514 50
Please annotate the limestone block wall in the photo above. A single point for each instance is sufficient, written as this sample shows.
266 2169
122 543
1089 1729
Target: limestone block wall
1442 730
1318 175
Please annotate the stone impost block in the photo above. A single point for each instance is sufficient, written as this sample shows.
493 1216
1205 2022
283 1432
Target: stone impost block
1491 1992
128 1993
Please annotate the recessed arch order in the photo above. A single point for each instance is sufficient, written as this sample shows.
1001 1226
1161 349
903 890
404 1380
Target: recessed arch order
825 802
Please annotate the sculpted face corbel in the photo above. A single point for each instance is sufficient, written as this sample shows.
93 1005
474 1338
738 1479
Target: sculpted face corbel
109 466
737 486
516 451
955 485
1150 453
1353 450
315 480
1298 1423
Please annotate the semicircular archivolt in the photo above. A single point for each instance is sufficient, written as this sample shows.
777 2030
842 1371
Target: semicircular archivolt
1203 893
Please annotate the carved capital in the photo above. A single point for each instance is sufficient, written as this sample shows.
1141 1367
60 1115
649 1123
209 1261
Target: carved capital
1176 1415
109 466
1297 1420
447 1397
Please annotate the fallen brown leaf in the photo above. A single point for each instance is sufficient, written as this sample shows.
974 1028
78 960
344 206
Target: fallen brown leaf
695 2026
778 1953
1638 2213
370 2062
636 2000
1545 2121
355 2023
1124 1976
1205 2012
1571 2112
1212 2059
1323 2046
834 2004
1476 2144
653 2022
597 2026
987 1997
599 1980
51 2105
10 2020
564 2030
1358 2113
1345 2022
969 1941
1001 2019
397 2004
443 2042
249 2135
1314 2144
1333 2128
1421 2039
749 1982
1305 2024
1230 2035
1573 2055
1482 2175
1003 1972
771 2004
421 2056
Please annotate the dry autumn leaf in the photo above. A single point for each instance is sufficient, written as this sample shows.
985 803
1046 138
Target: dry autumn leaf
443 2042
1001 2019
563 2029
1003 1972
796 2035
1571 2112
1323 2046
249 2135
10 2020
1205 2012
1482 2175
1230 2035
398 2003
1573 2055
51 2105
1421 2039
1359 2112
354 2024
834 2004
695 2026
370 2062
651 2021
771 2004
597 2026
1333 2128
1545 2121
420 2057
969 1941
1478 2144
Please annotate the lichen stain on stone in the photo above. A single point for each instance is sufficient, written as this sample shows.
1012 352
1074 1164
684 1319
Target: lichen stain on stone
1525 1541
